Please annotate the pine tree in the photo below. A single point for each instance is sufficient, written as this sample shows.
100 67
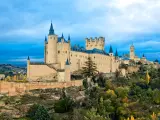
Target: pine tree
89 69
41 114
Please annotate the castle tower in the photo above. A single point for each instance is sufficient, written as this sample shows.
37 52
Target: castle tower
132 52
28 67
111 58
97 43
67 75
69 39
52 46
45 49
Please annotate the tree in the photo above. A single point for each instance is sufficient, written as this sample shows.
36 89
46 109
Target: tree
156 96
63 105
41 114
154 116
37 112
89 69
147 78
117 74
91 115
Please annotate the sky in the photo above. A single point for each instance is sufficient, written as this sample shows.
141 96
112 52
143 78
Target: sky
24 25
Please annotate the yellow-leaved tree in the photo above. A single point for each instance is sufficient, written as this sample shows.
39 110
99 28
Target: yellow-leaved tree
154 116
131 118
147 77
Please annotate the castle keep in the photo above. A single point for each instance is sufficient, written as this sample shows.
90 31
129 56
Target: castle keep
61 60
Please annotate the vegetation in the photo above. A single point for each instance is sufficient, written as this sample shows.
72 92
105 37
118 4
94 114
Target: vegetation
89 69
135 97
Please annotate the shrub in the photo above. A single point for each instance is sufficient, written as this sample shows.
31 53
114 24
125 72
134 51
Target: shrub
5 116
63 105
38 112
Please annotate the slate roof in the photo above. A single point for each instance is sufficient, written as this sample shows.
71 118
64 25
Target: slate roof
82 49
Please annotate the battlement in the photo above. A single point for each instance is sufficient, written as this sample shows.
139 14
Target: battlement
95 43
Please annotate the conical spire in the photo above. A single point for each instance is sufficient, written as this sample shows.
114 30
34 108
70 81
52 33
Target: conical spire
45 39
28 58
110 50
69 38
67 62
156 60
62 36
116 54
143 55
51 30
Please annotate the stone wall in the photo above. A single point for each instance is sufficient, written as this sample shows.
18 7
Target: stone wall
12 88
38 71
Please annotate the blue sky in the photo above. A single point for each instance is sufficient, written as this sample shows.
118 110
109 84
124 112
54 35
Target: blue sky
24 24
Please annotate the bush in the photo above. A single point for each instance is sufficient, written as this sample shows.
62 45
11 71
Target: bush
5 116
63 105
38 112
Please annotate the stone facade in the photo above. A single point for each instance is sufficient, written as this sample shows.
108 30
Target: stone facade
58 50
62 59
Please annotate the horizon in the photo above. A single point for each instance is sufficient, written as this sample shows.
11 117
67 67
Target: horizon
120 23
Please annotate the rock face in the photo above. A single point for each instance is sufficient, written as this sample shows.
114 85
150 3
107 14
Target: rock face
2 76
132 69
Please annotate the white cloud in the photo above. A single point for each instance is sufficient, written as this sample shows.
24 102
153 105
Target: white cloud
117 20
122 19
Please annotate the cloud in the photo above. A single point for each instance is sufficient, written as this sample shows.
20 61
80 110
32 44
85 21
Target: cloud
122 19
117 20
121 22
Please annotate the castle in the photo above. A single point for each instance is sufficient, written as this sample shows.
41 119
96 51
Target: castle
61 60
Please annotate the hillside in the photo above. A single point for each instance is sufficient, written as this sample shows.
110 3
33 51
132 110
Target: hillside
9 69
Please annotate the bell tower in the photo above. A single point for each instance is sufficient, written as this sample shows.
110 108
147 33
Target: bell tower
132 52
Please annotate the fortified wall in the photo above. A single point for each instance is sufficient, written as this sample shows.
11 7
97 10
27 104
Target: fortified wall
12 88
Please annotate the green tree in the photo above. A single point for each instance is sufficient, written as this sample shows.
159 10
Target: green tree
63 105
38 112
89 69
41 114
92 115
156 96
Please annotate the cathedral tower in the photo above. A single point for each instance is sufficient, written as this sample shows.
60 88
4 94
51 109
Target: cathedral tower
52 47
132 52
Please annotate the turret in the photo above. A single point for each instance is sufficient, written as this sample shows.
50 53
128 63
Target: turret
111 51
69 39
116 54
132 52
52 46
62 38
45 49
143 56
67 75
